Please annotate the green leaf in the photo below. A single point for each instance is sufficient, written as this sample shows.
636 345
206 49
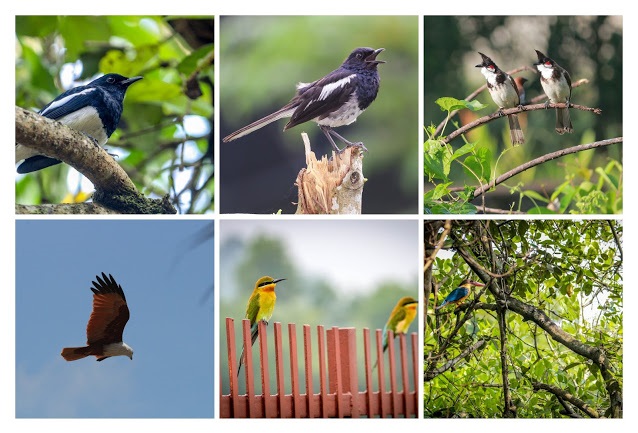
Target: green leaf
450 104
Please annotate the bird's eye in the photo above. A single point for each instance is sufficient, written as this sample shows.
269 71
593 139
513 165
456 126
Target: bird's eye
359 55
110 80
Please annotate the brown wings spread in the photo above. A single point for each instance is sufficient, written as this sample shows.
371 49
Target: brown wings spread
110 312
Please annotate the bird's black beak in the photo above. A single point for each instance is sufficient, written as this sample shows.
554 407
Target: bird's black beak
277 280
131 80
372 58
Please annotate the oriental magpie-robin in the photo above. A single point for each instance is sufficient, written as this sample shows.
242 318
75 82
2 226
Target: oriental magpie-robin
557 85
334 100
504 92
93 109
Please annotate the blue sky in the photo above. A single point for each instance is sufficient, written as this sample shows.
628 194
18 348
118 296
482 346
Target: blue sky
167 277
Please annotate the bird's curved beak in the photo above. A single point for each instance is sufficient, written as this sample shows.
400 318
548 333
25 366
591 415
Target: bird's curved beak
277 280
372 58
131 80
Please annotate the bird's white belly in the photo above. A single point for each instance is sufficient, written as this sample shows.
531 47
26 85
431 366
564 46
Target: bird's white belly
87 121
345 115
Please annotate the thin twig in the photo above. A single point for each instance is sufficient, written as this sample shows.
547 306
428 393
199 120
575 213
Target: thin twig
543 159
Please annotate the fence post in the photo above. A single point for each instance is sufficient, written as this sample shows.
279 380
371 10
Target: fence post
342 358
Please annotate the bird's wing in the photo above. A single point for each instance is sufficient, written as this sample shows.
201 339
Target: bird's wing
457 294
513 83
252 308
323 96
110 312
69 102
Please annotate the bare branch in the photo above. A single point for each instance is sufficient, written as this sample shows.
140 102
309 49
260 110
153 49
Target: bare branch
540 160
580 404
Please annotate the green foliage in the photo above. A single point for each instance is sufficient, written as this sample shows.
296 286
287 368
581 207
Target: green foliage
571 271
155 142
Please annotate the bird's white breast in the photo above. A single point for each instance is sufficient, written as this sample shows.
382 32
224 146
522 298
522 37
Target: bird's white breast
345 115
86 120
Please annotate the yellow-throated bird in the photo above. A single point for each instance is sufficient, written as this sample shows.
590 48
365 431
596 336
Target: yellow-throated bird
460 294
400 318
260 306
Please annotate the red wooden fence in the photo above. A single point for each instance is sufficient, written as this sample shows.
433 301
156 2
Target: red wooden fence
338 394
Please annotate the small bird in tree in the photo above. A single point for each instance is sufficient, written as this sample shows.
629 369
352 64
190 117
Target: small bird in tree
557 85
504 92
460 294
332 101
261 305
106 324
94 110
400 318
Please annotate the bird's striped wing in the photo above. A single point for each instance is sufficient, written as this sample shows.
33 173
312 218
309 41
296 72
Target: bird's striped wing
68 102
322 97
110 312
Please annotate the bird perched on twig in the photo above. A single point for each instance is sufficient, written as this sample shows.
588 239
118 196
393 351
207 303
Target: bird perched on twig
260 307
332 101
557 85
460 294
400 319
504 92
94 109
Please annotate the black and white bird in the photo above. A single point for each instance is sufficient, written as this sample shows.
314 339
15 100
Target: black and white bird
332 101
557 85
93 109
505 94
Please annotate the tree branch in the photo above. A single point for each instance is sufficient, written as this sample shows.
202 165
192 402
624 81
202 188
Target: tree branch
113 188
515 110
561 394
540 160
431 374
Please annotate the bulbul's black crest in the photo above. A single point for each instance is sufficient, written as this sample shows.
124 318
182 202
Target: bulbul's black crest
332 101
94 109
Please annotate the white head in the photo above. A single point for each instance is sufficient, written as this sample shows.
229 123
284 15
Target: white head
118 349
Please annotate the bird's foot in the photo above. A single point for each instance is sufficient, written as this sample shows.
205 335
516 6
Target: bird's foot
547 104
521 107
500 112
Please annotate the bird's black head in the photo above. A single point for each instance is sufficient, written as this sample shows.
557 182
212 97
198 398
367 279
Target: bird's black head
114 81
487 63
544 60
363 58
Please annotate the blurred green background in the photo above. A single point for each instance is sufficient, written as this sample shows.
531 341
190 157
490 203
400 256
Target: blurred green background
587 46
164 140
338 273
263 58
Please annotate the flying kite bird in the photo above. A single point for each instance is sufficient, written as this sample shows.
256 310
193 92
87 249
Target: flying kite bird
400 318
106 324
261 305
460 294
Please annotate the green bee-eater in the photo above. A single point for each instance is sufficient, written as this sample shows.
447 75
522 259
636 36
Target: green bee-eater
400 318
261 305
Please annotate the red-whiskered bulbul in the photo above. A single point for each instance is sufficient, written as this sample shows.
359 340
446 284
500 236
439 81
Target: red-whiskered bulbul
504 92
557 85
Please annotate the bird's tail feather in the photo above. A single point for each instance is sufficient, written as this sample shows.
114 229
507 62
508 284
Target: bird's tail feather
516 133
563 121
285 111
75 353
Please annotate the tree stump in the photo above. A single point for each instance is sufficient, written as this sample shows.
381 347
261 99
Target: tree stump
331 186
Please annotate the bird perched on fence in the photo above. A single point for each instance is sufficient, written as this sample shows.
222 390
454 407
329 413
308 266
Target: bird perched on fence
504 92
557 85
400 319
94 109
260 307
334 100
106 324
460 294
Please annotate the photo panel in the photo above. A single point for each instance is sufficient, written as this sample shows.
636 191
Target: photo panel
77 282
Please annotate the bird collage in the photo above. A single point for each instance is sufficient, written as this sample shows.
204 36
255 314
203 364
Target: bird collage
225 216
